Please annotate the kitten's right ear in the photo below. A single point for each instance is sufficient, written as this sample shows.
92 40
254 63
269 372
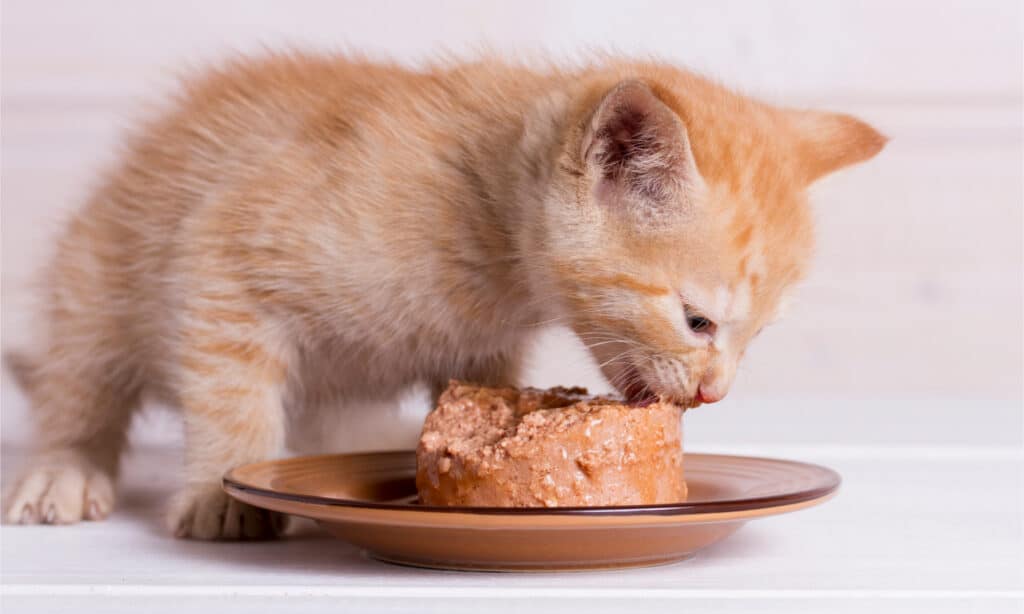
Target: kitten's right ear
636 145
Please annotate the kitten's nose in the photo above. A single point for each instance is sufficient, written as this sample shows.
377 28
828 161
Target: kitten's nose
710 394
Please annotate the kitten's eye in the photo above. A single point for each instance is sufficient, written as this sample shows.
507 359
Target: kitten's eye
698 323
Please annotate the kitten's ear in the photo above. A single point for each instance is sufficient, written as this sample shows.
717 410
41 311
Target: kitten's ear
638 146
827 142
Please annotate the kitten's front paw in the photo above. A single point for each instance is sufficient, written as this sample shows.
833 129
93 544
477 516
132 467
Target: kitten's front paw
60 488
207 512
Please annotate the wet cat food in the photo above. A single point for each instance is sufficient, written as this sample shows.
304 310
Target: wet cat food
508 447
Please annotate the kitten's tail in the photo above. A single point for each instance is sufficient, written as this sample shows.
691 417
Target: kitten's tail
21 367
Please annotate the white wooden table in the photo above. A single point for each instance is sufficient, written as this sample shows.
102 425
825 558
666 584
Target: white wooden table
912 530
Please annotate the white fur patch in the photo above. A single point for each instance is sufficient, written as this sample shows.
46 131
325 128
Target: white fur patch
785 304
740 302
724 304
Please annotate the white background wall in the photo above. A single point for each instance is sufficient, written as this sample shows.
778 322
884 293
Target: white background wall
909 330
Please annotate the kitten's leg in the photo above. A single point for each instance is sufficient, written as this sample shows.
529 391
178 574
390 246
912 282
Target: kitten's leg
497 370
82 405
231 378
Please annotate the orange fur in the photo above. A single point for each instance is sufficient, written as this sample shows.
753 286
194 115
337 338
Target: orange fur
299 229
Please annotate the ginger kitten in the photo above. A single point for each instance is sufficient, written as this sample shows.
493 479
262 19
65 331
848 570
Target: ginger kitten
303 229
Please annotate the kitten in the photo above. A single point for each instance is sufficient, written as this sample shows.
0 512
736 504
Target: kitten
300 229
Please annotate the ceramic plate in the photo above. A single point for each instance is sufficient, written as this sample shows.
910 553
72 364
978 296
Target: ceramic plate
370 501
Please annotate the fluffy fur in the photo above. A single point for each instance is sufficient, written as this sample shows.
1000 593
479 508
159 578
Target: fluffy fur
302 229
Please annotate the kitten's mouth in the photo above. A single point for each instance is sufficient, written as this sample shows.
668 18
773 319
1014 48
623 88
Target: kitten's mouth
636 390
639 393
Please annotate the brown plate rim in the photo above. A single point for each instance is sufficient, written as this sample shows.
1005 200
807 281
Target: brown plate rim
830 484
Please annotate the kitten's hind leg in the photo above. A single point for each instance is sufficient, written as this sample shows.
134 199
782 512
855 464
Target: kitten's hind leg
61 487
82 408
